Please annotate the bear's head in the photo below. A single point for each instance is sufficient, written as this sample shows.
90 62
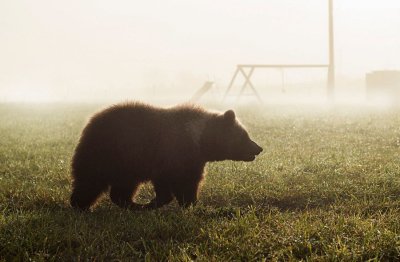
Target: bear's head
224 138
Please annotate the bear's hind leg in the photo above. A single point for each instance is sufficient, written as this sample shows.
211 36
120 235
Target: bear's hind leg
122 196
84 195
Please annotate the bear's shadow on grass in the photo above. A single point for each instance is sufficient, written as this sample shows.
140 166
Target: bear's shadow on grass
217 205
291 203
56 227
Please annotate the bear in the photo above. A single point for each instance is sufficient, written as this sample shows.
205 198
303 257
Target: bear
131 143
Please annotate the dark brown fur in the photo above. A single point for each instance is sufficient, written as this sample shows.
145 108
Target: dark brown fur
128 144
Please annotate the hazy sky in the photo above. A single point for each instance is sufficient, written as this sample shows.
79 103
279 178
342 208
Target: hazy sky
86 44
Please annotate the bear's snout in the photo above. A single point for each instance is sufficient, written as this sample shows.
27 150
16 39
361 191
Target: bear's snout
252 151
256 148
259 150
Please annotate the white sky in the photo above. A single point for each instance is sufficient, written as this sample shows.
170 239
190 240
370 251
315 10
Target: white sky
47 44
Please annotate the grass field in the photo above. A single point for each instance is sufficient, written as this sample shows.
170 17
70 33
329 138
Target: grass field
327 187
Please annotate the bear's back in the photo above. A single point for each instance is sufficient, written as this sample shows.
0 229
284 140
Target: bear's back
123 127
136 134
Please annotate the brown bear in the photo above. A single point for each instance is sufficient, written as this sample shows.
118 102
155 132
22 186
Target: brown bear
131 143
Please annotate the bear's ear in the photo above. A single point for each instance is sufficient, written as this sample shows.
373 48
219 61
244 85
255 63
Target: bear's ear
229 117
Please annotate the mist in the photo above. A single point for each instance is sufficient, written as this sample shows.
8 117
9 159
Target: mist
155 50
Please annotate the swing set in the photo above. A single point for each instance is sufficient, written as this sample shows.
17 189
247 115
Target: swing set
247 70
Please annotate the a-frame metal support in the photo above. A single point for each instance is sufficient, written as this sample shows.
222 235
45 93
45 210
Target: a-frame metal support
247 83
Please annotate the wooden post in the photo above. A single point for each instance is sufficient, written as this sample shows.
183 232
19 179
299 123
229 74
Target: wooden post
331 68
283 80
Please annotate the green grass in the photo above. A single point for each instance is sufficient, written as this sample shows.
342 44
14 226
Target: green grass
327 187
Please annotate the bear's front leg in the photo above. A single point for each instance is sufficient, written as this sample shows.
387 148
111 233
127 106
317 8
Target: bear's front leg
122 196
186 192
163 195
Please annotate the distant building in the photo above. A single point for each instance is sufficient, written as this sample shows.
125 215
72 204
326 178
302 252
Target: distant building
383 84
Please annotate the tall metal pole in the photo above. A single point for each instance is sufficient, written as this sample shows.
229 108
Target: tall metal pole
331 68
